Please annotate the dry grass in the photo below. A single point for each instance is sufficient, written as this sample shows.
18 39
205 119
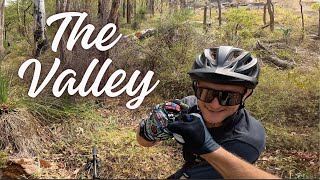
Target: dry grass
21 134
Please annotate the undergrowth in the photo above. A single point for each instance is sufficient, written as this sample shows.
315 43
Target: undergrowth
286 101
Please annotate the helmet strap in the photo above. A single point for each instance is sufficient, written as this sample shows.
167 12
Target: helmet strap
242 105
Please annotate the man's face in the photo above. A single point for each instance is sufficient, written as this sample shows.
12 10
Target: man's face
213 112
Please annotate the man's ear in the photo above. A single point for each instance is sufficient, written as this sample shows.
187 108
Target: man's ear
247 94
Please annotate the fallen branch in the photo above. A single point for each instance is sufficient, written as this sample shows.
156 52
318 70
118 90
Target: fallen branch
272 57
265 26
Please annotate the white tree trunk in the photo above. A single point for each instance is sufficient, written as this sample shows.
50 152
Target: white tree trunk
1 25
40 38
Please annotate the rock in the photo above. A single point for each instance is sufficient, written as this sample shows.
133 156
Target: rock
44 164
18 168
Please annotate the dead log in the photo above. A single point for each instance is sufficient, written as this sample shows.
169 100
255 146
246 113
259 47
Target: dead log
145 33
272 57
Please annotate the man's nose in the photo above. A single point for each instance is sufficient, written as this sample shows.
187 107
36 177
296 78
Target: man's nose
215 103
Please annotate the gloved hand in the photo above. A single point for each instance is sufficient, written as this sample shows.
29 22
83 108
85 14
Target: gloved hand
196 136
155 126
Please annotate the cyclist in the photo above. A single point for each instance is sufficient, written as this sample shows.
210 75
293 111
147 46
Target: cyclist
222 78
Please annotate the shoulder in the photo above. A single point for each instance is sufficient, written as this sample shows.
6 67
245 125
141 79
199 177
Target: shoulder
251 131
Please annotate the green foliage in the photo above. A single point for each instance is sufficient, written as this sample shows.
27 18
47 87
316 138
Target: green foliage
19 21
4 89
3 158
286 31
315 6
141 14
286 54
171 54
278 98
240 26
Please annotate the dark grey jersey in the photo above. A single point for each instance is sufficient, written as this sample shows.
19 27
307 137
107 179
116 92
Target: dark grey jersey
240 134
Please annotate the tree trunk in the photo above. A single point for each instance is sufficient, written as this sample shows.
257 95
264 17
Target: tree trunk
302 18
40 39
176 6
151 6
319 24
63 6
219 9
2 3
265 14
183 4
271 14
104 10
128 12
124 9
113 18
161 6
135 23
205 15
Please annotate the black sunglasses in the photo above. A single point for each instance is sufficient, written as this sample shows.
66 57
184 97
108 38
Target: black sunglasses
225 98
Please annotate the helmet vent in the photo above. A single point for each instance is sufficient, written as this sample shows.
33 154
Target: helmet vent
214 54
248 61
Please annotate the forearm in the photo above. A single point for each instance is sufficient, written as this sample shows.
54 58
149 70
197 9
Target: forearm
232 167
144 142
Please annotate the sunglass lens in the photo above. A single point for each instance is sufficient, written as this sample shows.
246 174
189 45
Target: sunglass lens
225 98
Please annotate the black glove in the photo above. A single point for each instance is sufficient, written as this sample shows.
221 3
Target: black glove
195 134
155 126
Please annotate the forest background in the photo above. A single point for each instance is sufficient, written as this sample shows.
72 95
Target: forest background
49 137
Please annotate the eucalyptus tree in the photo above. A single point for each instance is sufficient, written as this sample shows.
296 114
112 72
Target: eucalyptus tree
2 2
39 33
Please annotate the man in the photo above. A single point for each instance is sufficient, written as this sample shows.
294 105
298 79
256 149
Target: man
223 78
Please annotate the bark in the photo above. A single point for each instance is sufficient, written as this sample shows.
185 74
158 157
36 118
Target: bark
183 4
271 14
265 14
128 11
63 6
104 10
2 2
135 23
113 18
319 24
219 9
205 15
40 39
25 30
124 8
161 7
20 27
302 18
151 6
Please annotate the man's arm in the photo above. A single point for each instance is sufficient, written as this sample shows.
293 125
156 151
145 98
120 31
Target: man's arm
198 140
232 167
